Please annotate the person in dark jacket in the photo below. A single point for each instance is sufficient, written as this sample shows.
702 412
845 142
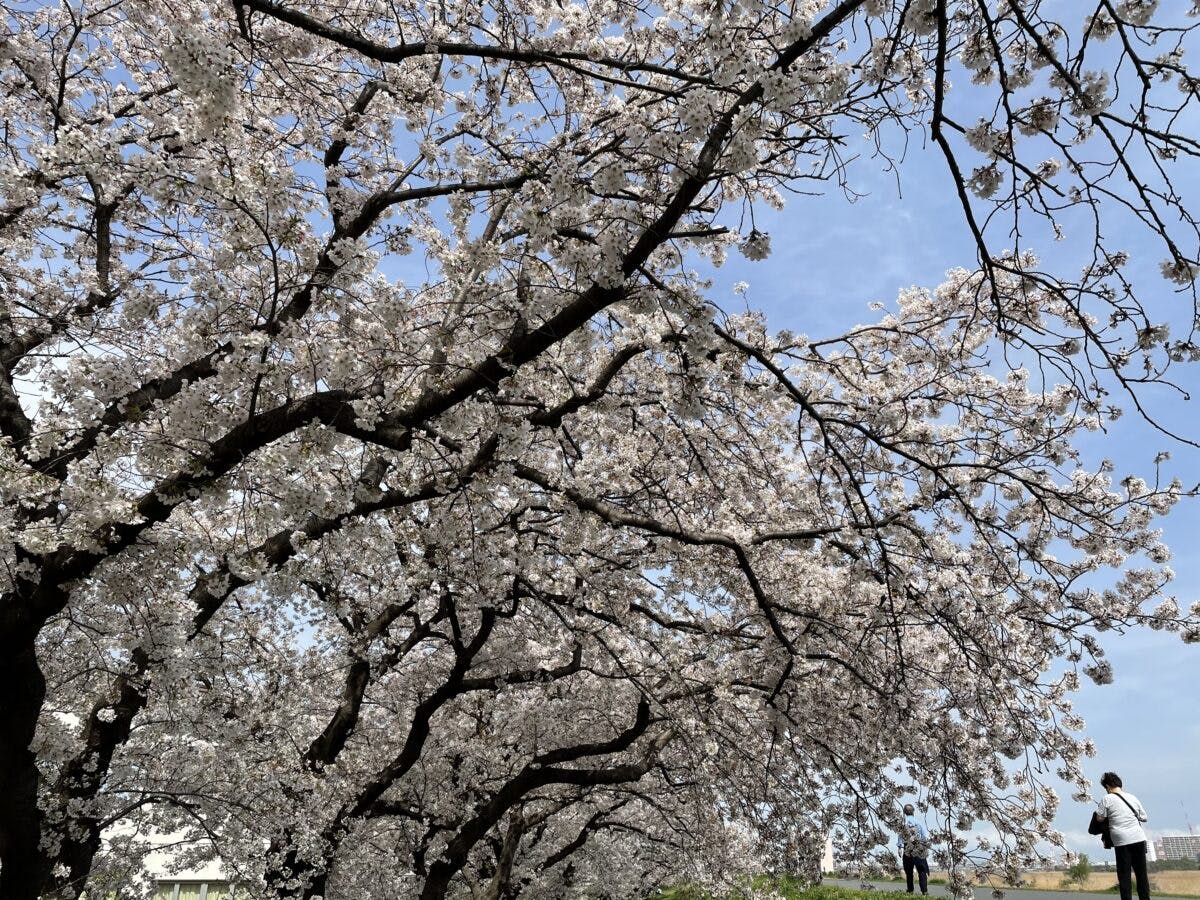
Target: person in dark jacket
914 850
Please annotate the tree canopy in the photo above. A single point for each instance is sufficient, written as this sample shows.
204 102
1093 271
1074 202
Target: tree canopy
390 510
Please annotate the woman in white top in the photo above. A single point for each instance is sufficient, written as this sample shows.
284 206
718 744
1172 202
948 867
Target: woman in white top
1125 815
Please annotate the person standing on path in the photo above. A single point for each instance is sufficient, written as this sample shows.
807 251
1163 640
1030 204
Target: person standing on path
914 851
1125 815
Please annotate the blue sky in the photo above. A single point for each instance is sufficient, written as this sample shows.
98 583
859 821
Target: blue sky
831 258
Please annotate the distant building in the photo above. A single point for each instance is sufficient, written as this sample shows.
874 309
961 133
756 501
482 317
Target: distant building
1180 846
184 888
206 882
163 877
827 857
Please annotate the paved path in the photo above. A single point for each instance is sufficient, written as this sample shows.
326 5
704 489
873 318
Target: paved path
981 893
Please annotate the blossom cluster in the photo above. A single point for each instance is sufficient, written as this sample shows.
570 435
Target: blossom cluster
389 509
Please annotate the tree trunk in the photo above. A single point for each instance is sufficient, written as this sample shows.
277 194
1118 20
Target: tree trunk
23 866
82 776
437 883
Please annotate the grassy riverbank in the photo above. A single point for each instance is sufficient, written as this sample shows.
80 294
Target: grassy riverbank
785 888
1171 884
1184 883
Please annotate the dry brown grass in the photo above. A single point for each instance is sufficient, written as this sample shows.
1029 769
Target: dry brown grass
1175 884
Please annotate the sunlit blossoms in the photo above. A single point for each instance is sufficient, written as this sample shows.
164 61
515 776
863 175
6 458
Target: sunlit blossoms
390 511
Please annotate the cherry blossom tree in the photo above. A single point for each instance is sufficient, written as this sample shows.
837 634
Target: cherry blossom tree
389 509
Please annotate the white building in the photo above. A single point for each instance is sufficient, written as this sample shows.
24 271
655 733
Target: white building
188 887
207 883
160 870
827 856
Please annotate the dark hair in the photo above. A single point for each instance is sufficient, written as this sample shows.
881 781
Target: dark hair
1110 779
908 809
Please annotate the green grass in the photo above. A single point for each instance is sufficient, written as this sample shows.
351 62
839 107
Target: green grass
788 888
